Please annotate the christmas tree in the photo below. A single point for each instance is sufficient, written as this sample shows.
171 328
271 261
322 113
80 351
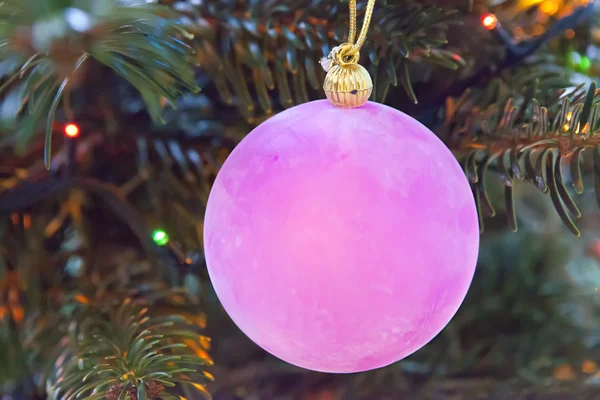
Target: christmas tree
117 115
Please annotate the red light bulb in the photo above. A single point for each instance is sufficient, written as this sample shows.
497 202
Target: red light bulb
71 130
489 21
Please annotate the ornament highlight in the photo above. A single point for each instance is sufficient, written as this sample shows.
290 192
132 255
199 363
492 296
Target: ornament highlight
341 240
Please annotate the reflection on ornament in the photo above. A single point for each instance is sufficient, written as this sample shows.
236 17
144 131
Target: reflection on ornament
341 240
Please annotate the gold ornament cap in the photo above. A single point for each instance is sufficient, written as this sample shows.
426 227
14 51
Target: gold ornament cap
347 84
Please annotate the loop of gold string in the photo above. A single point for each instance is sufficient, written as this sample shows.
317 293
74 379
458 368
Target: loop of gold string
353 24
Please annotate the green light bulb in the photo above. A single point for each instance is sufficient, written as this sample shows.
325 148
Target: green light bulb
585 64
160 237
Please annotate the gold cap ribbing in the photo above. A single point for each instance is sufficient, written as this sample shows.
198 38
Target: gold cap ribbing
348 84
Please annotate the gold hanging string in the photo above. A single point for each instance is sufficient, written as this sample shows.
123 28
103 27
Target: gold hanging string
353 24
352 34
349 52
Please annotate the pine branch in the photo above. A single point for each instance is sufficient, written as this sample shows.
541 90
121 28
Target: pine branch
27 312
129 354
169 184
526 141
277 45
117 319
83 288
138 40
514 54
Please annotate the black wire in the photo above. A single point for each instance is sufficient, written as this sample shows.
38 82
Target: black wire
517 52
30 193
514 55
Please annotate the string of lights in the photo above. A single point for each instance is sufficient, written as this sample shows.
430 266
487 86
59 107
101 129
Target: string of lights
29 193
514 52
32 192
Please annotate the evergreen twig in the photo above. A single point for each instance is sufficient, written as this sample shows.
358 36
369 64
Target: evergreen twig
523 141
258 50
133 355
139 40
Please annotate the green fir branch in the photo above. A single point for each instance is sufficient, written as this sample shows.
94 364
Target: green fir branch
266 55
522 140
43 46
114 310
129 354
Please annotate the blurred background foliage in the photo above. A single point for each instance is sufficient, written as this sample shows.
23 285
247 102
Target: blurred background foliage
114 227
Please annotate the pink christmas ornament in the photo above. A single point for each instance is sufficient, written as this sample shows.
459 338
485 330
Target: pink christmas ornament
341 240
